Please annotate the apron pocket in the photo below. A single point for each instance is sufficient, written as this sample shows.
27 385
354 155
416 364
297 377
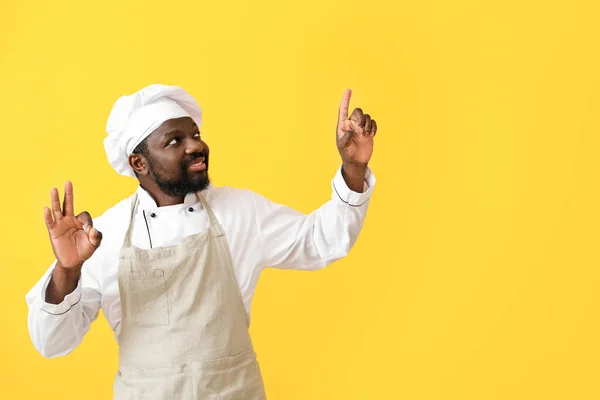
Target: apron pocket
230 378
149 301
166 387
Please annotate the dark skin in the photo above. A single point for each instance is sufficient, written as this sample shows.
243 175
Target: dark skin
175 142
173 150
354 141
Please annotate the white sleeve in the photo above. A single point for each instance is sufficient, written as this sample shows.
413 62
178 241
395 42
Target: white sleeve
57 329
291 239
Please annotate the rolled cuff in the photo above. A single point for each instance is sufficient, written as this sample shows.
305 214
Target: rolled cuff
343 193
68 302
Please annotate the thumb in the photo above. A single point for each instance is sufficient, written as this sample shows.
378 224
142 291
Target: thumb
349 131
346 138
95 237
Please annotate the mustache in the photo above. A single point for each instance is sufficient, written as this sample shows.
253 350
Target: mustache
196 156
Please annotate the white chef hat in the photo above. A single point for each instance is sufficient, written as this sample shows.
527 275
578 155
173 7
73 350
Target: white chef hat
136 116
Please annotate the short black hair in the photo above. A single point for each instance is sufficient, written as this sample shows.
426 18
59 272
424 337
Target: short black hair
142 148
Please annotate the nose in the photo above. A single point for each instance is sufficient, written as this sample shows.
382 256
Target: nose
194 146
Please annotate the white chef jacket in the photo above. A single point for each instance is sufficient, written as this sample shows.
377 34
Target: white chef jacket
260 234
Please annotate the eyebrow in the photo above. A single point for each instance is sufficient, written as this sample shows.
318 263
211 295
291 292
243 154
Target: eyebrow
168 133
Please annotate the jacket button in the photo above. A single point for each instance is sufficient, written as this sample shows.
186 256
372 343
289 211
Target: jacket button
153 215
190 209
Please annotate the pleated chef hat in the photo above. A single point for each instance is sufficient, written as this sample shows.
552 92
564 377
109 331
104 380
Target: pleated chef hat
136 116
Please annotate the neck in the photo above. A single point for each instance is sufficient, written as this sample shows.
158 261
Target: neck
159 197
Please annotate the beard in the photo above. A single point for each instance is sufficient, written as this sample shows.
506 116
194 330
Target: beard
181 184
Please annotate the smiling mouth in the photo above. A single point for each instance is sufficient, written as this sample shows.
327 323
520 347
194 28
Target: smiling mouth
198 165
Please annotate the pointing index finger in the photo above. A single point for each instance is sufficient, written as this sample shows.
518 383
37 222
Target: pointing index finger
344 106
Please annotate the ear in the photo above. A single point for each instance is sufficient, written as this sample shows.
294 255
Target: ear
139 163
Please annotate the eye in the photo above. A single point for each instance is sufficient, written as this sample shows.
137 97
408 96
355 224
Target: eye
197 134
173 141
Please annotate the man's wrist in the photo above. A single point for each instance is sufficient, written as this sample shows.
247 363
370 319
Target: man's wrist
62 282
354 176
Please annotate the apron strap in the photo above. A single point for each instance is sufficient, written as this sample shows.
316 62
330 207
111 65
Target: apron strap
134 202
214 223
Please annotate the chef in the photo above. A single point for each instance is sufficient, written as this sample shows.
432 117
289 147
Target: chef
174 266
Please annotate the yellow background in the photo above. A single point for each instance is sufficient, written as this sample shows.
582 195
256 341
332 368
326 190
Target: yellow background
476 274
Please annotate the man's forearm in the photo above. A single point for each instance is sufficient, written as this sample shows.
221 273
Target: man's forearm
354 176
62 282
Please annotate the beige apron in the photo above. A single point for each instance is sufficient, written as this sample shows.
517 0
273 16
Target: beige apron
184 330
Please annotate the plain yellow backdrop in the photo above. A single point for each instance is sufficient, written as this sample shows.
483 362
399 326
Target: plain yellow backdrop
476 273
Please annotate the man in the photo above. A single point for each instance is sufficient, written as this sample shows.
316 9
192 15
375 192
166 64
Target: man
175 267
